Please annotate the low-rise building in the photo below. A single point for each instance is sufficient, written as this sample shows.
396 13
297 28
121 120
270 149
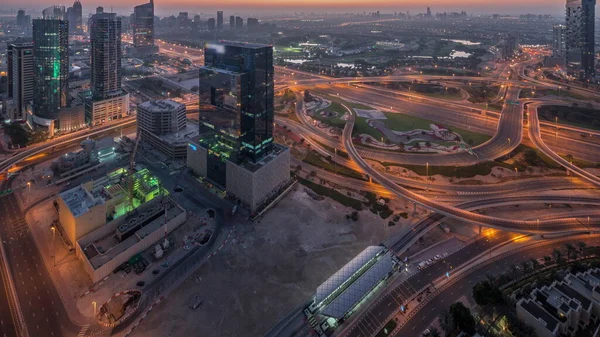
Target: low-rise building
110 246
164 126
101 111
563 308
91 205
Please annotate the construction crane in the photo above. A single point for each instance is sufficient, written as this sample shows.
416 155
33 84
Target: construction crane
130 180
138 137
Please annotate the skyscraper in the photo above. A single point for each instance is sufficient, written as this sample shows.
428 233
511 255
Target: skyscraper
143 26
239 23
211 24
105 39
20 76
220 20
55 13
237 84
51 65
231 22
579 37
558 40
76 18
23 21
235 148
107 98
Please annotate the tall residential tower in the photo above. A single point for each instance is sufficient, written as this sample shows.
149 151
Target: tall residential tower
108 100
579 38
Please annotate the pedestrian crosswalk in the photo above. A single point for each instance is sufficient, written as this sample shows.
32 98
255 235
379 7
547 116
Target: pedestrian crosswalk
83 331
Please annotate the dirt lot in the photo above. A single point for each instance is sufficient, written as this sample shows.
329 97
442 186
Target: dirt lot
268 269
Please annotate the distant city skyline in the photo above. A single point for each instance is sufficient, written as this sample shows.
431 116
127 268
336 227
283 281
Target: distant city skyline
554 7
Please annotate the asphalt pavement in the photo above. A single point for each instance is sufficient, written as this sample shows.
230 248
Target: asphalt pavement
444 299
40 302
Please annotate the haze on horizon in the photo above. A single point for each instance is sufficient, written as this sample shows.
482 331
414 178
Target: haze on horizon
554 7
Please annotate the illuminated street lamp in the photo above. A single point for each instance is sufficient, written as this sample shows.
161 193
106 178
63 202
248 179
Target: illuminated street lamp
53 246
427 176
94 305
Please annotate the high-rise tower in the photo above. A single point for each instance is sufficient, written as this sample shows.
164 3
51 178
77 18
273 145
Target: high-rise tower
143 27
108 101
579 37
51 64
235 148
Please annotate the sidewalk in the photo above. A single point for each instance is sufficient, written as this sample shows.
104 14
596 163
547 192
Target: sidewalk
44 244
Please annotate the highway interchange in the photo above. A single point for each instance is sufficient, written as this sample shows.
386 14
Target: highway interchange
506 127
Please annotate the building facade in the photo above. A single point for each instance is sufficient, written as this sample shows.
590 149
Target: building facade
163 125
236 122
107 101
558 40
51 66
580 38
75 17
143 26
20 76
220 20
106 54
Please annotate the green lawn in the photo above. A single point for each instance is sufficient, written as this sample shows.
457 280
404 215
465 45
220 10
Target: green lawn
575 116
451 95
317 160
456 172
337 120
404 123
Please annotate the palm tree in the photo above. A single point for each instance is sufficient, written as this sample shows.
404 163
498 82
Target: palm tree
571 252
447 322
547 260
535 264
556 255
525 266
581 246
434 332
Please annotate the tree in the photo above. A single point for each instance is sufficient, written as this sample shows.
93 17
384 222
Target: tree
556 255
447 323
485 293
526 267
461 315
571 252
535 264
581 246
547 260
434 332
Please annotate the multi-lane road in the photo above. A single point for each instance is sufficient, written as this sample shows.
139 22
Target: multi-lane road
41 306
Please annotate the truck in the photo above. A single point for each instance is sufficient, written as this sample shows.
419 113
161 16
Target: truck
195 302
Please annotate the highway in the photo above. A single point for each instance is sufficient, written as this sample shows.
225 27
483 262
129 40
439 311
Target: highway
432 309
518 226
535 136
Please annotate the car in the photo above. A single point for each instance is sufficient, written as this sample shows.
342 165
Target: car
427 332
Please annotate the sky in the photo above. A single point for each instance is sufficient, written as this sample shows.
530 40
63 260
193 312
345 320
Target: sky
166 7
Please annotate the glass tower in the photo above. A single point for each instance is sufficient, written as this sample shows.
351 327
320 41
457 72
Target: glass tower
106 54
579 37
51 66
143 25
236 103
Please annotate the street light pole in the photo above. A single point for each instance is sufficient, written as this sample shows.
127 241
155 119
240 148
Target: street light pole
53 246
94 304
427 176
516 178
334 161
